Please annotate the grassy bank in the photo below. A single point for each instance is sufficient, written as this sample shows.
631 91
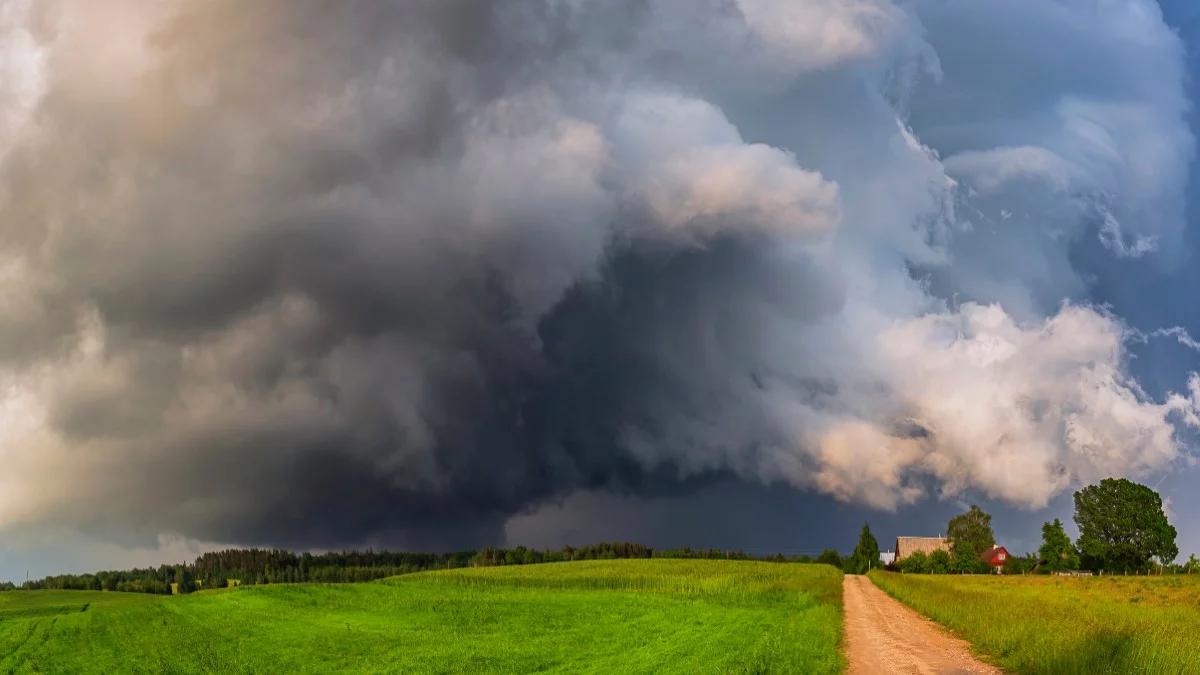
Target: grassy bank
1039 624
596 616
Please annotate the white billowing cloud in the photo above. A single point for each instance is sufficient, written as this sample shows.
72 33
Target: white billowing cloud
822 33
1022 411
859 462
703 189
698 176
970 399
427 272
990 170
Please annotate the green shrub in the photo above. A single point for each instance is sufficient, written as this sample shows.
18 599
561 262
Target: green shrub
917 563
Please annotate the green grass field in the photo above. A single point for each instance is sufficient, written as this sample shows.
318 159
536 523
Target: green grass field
597 616
1040 624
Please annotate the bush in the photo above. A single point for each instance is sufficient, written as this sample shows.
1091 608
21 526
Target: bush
830 557
917 563
968 565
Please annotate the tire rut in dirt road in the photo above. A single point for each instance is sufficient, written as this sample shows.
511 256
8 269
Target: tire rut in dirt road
885 636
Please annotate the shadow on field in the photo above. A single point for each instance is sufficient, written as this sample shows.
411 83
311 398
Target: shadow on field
1106 652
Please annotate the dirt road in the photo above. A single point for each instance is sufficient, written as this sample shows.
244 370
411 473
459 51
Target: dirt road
884 636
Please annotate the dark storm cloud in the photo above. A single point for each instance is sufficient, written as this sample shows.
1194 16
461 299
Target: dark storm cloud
318 275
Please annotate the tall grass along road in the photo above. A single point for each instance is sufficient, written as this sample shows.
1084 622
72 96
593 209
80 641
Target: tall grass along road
1039 624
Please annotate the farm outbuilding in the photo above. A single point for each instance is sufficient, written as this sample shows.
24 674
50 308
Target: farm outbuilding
906 546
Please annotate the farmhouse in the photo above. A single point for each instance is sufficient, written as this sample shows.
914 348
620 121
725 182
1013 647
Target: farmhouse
995 556
906 546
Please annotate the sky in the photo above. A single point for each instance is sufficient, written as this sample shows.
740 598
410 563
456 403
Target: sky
443 274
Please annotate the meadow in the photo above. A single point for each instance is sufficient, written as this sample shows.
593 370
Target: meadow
1047 624
690 616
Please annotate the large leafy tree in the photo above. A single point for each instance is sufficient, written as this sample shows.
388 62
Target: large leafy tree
1057 550
1122 526
970 534
866 554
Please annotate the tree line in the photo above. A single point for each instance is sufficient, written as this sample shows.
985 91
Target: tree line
253 566
219 569
1122 529
137 580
